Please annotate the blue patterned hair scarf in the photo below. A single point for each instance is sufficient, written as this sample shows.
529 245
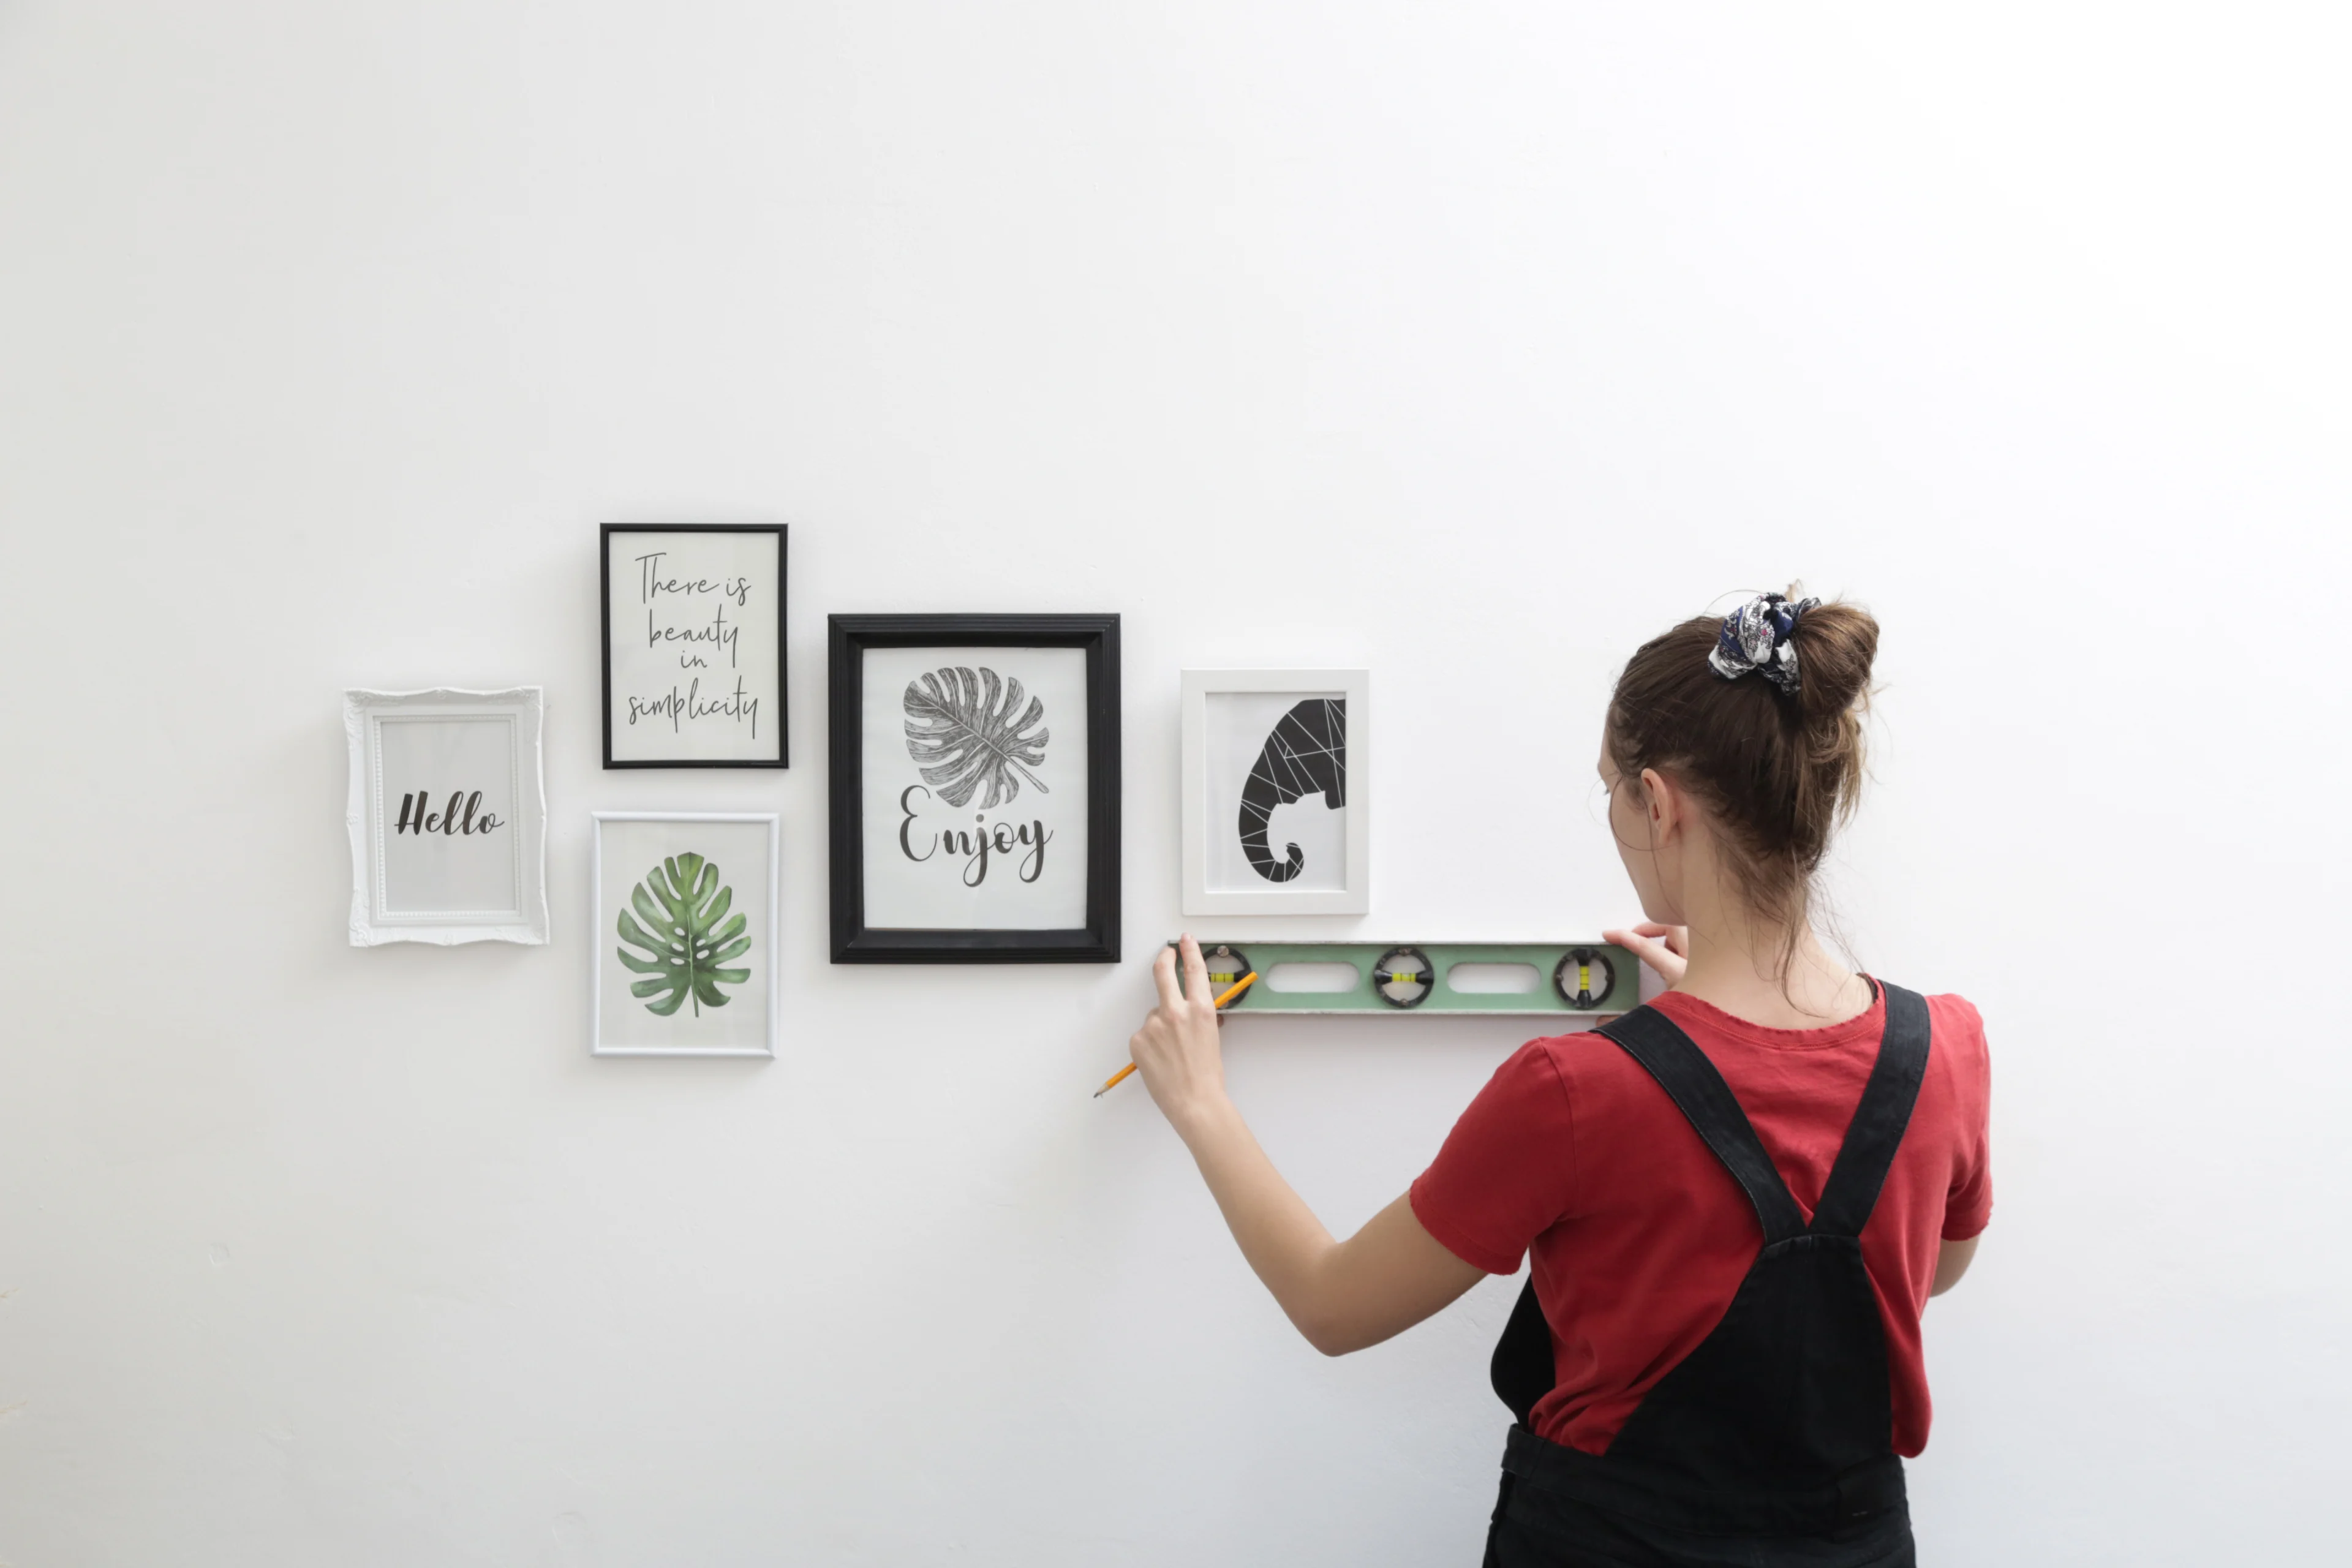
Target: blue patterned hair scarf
1757 637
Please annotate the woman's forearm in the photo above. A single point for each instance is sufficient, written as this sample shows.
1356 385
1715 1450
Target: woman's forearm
1342 1295
1279 1235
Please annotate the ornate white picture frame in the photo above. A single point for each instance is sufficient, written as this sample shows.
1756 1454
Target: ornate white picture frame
448 816
685 933
1278 791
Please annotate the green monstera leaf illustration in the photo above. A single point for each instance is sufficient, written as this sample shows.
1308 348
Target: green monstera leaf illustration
681 903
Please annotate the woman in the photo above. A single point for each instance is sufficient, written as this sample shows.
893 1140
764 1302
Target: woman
1737 1199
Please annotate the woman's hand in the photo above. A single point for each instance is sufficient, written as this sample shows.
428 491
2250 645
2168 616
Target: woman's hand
1665 949
1176 1050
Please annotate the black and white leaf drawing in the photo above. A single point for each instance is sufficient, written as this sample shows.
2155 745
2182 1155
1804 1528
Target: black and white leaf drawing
962 732
1306 753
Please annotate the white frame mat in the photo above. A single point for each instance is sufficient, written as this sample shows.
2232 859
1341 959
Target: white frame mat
1201 896
523 917
768 945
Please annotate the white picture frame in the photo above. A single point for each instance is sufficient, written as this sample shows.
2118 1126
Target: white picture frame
462 855
634 1008
1253 842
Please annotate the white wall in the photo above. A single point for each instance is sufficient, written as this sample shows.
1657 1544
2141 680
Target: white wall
1470 342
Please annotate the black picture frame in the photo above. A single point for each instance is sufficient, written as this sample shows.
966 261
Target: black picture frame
849 636
604 620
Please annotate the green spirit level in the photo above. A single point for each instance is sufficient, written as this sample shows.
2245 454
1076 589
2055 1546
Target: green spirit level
1449 977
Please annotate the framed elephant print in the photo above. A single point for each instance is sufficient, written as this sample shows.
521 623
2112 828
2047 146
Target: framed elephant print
1277 792
974 775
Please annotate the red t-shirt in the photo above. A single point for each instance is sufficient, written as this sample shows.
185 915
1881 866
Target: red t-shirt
1640 1235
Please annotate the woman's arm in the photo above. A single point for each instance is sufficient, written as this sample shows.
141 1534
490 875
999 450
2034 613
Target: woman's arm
1952 1260
1342 1295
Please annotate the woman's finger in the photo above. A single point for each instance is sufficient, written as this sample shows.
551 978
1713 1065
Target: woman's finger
1650 950
1676 938
1163 975
1196 971
1639 946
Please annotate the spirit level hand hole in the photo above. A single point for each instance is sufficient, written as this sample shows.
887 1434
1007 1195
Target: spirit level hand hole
1323 977
1494 979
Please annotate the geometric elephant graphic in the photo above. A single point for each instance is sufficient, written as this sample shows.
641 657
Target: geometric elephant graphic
1307 753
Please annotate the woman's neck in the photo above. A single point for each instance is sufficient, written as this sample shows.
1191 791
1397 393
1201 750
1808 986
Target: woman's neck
1748 966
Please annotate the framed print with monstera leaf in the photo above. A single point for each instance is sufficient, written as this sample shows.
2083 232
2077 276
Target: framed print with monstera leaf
974 776
685 934
1277 798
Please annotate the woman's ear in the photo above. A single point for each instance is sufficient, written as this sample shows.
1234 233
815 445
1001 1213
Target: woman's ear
1664 803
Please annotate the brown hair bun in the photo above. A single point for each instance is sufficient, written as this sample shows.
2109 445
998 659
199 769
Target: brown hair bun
1778 769
1837 644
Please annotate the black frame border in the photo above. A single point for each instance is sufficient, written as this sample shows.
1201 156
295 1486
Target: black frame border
783 532
847 638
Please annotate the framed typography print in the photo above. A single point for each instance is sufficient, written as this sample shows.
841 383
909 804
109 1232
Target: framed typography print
685 934
694 644
1277 816
447 817
975 781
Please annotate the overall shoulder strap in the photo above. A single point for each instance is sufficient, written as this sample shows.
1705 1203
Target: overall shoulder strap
1682 1069
1880 1120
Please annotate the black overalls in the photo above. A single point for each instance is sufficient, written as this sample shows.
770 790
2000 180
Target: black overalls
1773 1443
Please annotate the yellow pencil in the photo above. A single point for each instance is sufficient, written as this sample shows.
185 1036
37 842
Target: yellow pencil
1239 987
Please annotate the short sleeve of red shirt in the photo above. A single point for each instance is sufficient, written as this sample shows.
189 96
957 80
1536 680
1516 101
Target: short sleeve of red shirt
1967 1206
1508 1171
